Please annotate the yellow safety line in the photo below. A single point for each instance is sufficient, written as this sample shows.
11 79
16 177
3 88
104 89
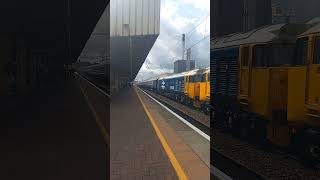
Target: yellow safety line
175 163
98 121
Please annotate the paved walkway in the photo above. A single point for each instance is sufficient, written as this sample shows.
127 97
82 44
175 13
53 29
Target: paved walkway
135 151
51 134
191 150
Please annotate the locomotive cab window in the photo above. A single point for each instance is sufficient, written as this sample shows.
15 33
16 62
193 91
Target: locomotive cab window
195 78
281 55
316 53
273 55
203 77
245 56
260 58
190 79
301 52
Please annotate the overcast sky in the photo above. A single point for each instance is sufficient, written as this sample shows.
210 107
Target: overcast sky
178 17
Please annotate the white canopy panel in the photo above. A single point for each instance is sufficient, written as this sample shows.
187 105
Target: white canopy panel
134 17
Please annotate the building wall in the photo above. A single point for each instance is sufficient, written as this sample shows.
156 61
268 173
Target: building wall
225 18
263 13
134 28
192 64
294 11
230 16
181 66
134 17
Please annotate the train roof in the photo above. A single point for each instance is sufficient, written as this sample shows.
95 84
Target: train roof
265 34
159 76
151 79
313 26
176 75
192 72
189 73
198 71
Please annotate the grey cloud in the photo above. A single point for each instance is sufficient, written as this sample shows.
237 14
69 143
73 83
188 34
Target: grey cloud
168 46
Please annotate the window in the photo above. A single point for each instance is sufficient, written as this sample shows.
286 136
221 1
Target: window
260 56
281 55
196 78
301 52
190 78
193 78
245 56
273 55
203 77
316 53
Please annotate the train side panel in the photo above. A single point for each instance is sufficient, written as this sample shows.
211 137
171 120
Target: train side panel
224 76
203 90
207 93
260 91
296 94
313 78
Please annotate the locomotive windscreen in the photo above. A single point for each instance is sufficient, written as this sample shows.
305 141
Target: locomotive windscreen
273 55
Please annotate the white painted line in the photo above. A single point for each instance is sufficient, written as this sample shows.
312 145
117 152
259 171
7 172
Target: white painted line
180 118
219 174
102 91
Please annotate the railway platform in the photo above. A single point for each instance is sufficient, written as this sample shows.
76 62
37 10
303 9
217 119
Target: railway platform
60 133
51 134
148 142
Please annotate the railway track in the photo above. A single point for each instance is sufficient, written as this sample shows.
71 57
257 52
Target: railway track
240 159
97 83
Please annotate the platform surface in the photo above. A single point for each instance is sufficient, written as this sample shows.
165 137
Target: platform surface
190 148
135 151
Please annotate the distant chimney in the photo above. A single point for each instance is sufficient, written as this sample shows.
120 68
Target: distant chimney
183 45
188 59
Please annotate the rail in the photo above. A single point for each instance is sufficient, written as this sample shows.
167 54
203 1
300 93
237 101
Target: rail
98 88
